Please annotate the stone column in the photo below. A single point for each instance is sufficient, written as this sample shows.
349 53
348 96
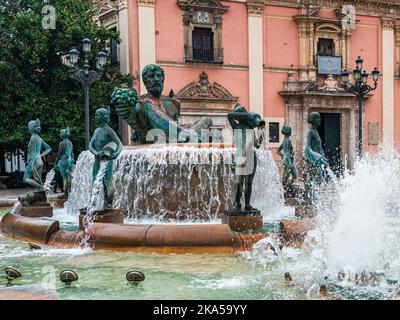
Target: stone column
303 45
299 134
346 49
397 66
123 29
352 138
255 9
388 80
147 37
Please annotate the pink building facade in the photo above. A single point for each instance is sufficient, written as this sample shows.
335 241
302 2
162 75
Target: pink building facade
281 59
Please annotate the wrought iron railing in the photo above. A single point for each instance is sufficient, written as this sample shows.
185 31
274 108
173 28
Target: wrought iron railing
215 55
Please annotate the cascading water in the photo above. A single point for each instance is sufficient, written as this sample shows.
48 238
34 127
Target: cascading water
81 186
96 202
16 208
49 179
177 182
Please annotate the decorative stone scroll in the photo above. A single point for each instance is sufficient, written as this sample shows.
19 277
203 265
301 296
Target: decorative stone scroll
205 89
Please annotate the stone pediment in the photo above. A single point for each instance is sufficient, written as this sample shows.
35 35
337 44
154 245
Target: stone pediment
204 89
202 4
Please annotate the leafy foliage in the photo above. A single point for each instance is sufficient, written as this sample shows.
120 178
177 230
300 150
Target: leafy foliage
34 83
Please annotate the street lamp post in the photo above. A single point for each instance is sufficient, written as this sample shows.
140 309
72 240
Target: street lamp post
360 88
85 76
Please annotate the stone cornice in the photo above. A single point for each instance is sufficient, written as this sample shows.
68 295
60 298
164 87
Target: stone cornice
304 18
215 5
377 8
146 3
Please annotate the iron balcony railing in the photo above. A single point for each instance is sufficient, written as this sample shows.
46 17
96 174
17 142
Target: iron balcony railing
215 55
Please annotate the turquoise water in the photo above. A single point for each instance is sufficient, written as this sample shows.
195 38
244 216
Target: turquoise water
168 276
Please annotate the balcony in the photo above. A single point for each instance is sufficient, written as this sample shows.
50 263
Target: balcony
215 55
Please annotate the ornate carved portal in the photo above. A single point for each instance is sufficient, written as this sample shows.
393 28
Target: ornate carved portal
205 99
302 98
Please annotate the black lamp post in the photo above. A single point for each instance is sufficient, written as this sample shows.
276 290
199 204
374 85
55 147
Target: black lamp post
85 76
360 88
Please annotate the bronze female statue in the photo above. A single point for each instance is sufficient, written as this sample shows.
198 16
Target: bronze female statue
315 165
289 168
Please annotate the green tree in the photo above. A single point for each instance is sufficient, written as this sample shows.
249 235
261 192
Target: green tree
34 82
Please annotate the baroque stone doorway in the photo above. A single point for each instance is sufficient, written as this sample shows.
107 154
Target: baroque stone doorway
303 97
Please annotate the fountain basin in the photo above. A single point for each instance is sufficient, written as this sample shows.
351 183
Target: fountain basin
293 232
106 216
209 238
37 211
28 229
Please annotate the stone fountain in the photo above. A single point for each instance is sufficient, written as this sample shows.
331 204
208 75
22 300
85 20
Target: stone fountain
168 175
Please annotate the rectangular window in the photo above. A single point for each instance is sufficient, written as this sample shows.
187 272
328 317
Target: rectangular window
326 47
203 45
274 132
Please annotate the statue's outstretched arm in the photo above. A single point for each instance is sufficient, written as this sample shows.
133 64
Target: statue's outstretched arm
47 149
91 147
177 104
116 139
311 155
125 101
60 152
72 154
279 151
235 118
